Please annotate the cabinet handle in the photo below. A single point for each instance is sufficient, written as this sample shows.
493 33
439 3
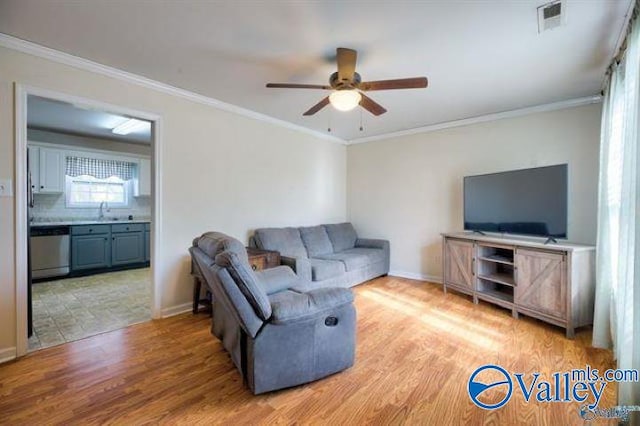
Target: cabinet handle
105 238
113 238
254 267
41 186
127 228
90 230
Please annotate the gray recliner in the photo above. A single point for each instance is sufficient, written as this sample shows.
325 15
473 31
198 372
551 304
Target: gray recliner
278 331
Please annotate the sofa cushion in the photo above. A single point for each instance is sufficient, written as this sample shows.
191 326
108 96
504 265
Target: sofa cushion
324 269
373 254
246 280
356 258
316 240
285 240
342 236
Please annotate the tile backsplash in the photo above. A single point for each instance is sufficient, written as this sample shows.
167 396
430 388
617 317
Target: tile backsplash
52 208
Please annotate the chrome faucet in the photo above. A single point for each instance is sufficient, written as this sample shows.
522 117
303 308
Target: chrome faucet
103 206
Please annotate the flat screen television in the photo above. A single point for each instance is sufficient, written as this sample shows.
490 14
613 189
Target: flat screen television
524 202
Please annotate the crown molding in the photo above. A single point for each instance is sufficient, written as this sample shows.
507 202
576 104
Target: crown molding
570 103
38 50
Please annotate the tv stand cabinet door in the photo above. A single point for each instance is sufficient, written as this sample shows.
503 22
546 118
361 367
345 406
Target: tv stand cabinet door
541 282
459 260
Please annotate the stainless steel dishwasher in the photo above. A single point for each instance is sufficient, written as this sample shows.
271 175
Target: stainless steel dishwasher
50 248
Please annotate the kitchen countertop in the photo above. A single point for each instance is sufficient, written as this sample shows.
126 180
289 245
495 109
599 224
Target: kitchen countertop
86 222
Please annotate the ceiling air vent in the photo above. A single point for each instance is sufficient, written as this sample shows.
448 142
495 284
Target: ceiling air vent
551 15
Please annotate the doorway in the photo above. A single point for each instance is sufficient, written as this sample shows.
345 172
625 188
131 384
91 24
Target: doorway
87 194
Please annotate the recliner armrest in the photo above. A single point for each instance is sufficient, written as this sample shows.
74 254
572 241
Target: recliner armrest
277 279
372 243
300 265
291 306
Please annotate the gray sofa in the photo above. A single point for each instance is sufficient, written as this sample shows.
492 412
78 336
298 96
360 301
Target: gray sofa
327 255
279 331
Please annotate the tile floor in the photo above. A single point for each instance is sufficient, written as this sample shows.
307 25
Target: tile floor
75 308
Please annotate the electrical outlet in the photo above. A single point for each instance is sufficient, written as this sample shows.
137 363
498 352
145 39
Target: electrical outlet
6 188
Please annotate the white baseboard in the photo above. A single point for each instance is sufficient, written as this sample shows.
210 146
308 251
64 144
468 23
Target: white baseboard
7 354
415 276
176 310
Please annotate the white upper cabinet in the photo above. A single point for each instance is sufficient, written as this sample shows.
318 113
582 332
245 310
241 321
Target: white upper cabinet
51 168
143 182
34 168
47 164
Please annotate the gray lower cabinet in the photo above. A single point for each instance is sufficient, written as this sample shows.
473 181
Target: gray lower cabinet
147 246
90 252
127 244
105 246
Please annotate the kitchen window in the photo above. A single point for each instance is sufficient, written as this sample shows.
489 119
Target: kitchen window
93 181
89 191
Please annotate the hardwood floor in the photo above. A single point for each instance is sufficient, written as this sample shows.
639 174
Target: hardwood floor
416 350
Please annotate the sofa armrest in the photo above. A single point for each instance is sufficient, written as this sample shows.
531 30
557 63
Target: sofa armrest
300 265
372 243
277 279
383 245
291 306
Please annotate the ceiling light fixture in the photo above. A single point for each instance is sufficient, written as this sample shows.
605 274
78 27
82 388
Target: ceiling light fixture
345 100
130 126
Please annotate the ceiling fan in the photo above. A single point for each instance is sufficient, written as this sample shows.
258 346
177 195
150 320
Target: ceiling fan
347 86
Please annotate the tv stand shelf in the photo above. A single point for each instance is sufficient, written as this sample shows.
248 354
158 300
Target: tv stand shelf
500 278
494 294
497 258
552 282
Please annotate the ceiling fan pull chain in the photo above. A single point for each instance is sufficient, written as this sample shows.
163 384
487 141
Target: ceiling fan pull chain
361 128
329 122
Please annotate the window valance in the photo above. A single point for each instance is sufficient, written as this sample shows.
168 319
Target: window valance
98 168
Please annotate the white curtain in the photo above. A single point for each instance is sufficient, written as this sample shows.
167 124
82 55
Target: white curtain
617 310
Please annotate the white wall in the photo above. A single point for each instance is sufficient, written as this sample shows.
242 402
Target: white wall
222 171
409 189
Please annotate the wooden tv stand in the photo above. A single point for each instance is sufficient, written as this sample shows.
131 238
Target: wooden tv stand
552 282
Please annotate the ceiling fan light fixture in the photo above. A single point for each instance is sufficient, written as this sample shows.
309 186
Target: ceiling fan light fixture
347 88
345 100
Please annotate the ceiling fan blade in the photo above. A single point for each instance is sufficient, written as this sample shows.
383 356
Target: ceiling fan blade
401 83
297 86
372 106
317 107
346 59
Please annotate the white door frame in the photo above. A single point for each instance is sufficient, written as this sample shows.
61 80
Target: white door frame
22 227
